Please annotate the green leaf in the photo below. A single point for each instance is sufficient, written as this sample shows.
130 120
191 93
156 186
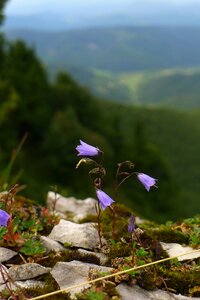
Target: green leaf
32 247
142 252
3 231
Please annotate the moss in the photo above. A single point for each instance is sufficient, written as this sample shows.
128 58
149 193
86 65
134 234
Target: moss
68 255
167 235
195 291
146 279
89 219
91 295
180 279
50 286
119 249
100 291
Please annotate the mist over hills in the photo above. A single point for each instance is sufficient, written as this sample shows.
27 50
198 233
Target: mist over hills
102 14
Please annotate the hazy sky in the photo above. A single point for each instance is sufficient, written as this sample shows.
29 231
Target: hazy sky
36 6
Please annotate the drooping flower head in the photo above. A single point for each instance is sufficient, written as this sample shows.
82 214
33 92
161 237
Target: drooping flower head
104 199
146 180
131 225
85 149
4 217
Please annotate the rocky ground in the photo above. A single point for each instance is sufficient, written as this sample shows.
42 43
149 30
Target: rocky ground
52 248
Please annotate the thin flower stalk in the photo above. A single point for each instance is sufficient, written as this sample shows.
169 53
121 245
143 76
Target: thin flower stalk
96 175
131 229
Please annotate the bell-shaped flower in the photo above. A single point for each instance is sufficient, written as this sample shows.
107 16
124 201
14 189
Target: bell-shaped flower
146 180
4 217
104 199
85 149
131 225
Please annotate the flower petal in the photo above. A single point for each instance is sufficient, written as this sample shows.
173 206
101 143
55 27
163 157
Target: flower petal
85 149
4 217
146 180
104 199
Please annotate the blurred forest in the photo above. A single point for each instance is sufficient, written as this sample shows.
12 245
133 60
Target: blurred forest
54 115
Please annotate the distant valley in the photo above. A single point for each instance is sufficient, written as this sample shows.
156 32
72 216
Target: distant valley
139 65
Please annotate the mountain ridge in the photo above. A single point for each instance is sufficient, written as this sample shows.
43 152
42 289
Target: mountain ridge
81 15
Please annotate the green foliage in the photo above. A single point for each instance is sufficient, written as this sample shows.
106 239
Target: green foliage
141 252
3 231
32 247
93 295
195 238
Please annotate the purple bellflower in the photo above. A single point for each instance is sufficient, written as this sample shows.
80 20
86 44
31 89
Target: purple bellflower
131 225
104 199
4 217
146 180
85 149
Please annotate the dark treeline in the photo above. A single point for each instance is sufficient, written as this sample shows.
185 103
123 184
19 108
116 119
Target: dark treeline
55 116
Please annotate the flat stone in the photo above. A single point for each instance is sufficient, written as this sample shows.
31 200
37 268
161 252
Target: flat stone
27 271
128 292
102 257
76 235
139 220
6 254
51 245
74 272
78 208
174 249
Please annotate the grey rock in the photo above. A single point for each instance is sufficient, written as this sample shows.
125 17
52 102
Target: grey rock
139 220
174 249
78 208
6 254
76 235
51 245
74 272
102 257
135 292
27 271
27 284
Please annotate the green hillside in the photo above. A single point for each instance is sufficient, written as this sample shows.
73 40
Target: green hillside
178 88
